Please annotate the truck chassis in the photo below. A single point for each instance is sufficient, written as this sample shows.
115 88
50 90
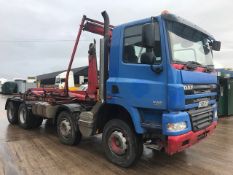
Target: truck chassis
82 113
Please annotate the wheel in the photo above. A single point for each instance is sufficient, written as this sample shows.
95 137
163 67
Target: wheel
67 129
121 144
12 113
25 117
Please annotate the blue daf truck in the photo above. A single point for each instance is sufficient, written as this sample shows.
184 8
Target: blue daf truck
157 88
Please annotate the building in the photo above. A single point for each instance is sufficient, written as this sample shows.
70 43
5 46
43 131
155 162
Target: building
2 81
80 74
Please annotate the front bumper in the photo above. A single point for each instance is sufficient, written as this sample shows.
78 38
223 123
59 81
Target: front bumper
179 143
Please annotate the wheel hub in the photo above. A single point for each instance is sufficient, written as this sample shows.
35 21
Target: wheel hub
65 128
117 143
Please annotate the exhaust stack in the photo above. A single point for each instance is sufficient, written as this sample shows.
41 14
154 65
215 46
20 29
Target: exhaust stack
105 54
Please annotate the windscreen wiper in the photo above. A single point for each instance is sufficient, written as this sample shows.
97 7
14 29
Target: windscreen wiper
192 65
194 62
178 62
186 62
209 68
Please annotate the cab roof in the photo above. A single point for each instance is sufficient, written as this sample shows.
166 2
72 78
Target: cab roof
170 17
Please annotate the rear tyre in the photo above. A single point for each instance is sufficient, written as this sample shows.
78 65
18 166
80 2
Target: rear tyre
67 129
121 144
12 113
25 117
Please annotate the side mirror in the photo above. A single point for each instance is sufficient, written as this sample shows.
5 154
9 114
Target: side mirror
216 45
148 35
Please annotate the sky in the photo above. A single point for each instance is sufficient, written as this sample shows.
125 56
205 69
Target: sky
37 36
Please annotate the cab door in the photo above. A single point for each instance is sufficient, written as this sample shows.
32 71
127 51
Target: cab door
137 84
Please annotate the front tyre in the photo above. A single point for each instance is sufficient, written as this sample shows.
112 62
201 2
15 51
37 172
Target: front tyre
121 144
67 129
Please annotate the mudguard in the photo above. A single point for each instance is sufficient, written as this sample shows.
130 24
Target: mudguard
73 107
13 99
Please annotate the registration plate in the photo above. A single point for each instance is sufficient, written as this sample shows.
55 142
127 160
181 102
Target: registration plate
203 104
202 136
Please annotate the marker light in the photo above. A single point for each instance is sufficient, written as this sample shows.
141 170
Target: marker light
165 12
175 127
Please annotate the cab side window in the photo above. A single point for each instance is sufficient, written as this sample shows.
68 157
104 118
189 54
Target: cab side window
133 49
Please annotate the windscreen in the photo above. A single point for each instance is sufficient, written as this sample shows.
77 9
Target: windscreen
188 44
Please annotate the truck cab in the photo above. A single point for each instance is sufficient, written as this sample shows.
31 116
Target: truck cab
161 71
60 80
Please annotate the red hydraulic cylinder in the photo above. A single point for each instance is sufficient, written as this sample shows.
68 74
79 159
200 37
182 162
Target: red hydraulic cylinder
95 28
92 72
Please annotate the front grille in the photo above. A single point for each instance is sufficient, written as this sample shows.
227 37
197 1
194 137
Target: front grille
200 92
201 89
201 118
197 100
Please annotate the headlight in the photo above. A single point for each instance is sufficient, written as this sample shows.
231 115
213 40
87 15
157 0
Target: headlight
175 127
